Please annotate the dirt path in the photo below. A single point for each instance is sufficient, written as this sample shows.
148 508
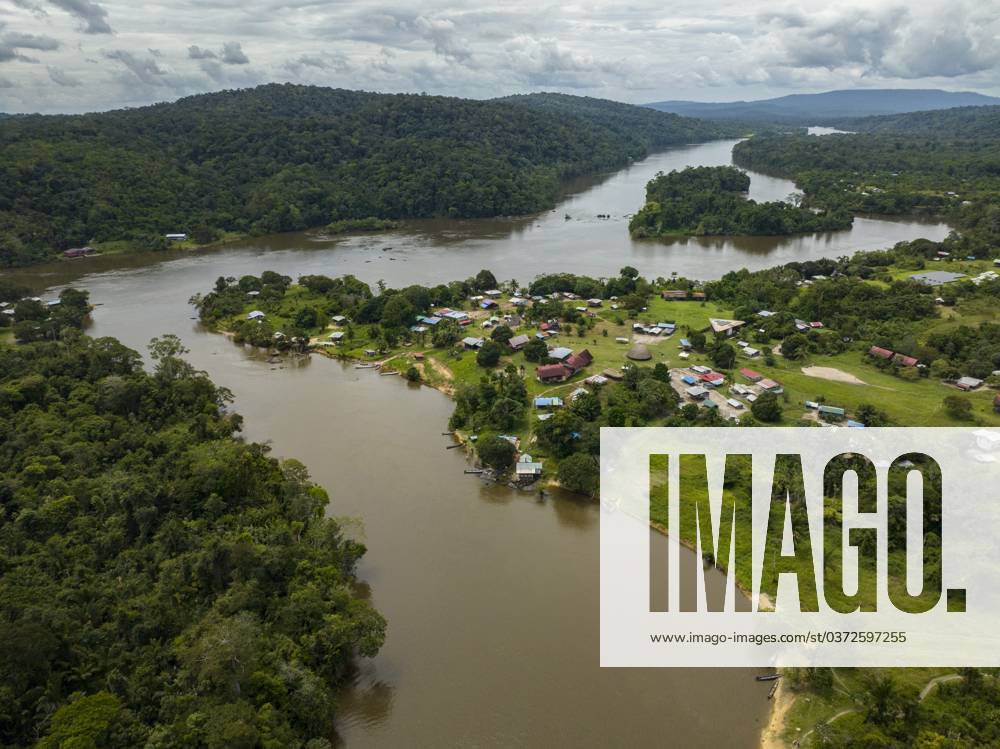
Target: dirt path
929 686
830 373
781 704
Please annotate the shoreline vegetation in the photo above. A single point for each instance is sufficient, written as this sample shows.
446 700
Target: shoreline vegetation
164 582
283 157
711 201
808 327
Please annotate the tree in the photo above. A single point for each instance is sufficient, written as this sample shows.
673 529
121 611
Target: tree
587 406
445 333
794 346
560 433
412 374
535 350
502 334
484 281
766 408
580 473
496 453
398 312
723 355
488 354
957 407
506 413
306 318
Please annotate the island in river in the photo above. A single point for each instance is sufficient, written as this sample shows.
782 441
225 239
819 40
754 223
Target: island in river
708 201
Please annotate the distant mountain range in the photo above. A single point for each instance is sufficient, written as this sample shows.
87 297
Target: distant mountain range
817 109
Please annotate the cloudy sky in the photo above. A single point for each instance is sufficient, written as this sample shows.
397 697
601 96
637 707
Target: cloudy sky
84 55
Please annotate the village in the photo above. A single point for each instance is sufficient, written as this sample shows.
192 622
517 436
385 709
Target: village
560 362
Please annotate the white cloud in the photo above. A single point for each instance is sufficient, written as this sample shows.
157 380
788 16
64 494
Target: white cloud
638 51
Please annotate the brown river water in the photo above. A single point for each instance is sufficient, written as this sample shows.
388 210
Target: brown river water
491 595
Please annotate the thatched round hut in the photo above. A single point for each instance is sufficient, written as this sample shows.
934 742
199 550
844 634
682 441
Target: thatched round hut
639 352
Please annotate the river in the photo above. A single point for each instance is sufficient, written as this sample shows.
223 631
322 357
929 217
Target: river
491 595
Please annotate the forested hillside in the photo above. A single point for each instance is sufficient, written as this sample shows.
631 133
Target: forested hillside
162 583
641 125
712 201
286 157
822 108
961 122
941 174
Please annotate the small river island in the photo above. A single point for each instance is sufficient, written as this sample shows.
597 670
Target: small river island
712 201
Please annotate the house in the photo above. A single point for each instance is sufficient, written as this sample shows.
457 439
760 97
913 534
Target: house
457 315
552 373
548 402
832 412
528 468
997 262
518 342
432 320
674 294
936 278
765 313
594 302
733 403
751 375
518 301
78 252
751 352
337 337
419 328
697 393
903 360
176 237
472 343
256 315
493 293
338 319
724 327
613 374
771 386
880 353
560 352
816 325
621 339
597 380
713 378
813 405
418 356
968 383
576 362
685 344
684 355
689 380
855 424
698 369
578 393
487 304
698 296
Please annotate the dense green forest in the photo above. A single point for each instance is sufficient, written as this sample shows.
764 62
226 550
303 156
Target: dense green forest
282 157
960 122
162 582
951 176
711 200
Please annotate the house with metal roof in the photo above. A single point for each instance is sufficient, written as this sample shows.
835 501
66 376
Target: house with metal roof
472 343
697 392
771 386
751 374
527 467
725 327
543 401
968 383
880 353
936 278
552 373
256 315
518 342
560 352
